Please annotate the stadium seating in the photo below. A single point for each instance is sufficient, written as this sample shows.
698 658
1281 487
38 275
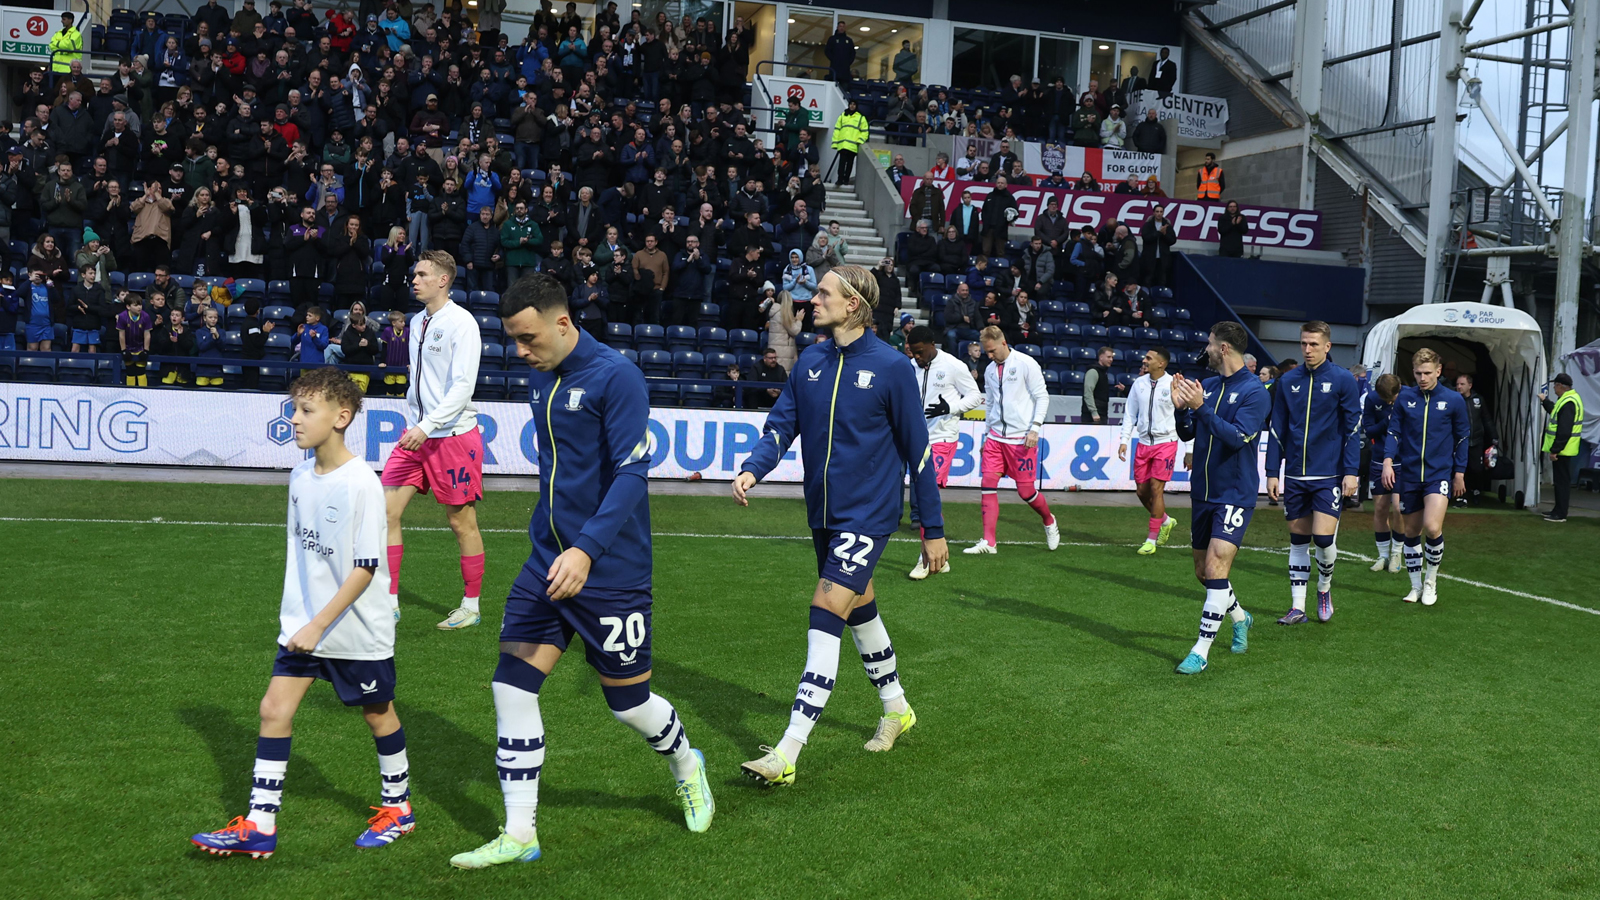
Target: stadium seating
688 364
76 370
492 358
697 395
657 363
279 346
619 335
649 337
491 387
489 327
682 337
484 303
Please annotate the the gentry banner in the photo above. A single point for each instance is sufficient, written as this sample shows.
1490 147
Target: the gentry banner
1201 118
1195 220
77 423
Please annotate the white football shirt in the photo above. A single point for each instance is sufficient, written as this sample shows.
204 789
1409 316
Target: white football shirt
445 350
337 522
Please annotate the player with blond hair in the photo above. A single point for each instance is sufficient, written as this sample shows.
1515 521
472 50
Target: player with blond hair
1425 462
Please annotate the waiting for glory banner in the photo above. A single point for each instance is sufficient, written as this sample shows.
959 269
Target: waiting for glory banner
194 429
1194 220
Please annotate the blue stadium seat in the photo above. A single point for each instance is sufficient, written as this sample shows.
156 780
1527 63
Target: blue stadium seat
744 340
748 361
232 344
1147 337
1160 294
717 364
1032 351
491 387
138 282
489 328
251 288
804 339
1173 338
1045 333
712 338
1058 358
232 377
1052 381
710 316
36 368
1182 315
76 370
682 337
235 315
1072 382
274 378
484 302
278 290
1052 311
493 357
630 355
930 281
458 296
1121 336
619 335
697 396
1069 333
1199 338
278 346
1083 355
649 337
325 293
688 364
277 314
184 281
1096 333
340 317
1079 311
655 363
1161 314
517 388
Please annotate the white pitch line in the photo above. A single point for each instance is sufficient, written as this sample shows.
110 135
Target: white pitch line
773 537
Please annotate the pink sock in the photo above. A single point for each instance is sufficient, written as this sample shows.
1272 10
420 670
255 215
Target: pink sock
1037 501
991 515
1155 526
472 575
397 552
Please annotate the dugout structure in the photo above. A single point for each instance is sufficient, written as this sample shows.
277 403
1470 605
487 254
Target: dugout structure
1509 340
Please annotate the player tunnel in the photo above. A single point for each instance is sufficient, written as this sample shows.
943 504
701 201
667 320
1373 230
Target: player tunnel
1501 348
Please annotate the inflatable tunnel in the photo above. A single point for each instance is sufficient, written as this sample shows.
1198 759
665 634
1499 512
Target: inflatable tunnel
1502 348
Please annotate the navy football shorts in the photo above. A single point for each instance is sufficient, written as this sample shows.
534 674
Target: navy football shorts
1223 521
614 625
1302 498
1375 480
847 559
1411 494
356 681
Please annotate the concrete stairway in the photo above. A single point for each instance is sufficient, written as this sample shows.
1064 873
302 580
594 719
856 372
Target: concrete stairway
867 246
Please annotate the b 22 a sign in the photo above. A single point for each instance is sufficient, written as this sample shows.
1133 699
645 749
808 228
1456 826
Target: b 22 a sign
83 423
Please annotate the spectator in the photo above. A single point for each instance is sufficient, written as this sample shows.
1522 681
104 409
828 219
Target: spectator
1107 304
87 311
922 255
1136 301
783 323
768 371
694 270
888 294
1097 386
1158 237
953 252
999 211
480 252
348 253
1122 253
651 270
1149 136
905 64
1038 268
823 255
520 239
174 340
1058 103
1164 77
396 257
134 326
1086 183
977 363
1086 123
1232 231
969 221
396 351
47 258
66 45
726 395
850 131
208 346
1480 435
744 289
1113 131
359 344
1209 181
311 339
1562 433
960 317
1052 228
841 53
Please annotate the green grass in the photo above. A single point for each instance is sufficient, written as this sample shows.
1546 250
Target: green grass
1398 752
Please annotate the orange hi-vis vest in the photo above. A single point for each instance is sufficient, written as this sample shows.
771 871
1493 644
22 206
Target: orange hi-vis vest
1210 183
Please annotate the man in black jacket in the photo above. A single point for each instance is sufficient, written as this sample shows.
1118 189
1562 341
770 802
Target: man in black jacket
1149 136
1156 236
1480 434
922 255
999 211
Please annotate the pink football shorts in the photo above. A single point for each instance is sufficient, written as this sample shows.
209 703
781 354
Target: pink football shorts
943 452
450 467
1154 462
1014 461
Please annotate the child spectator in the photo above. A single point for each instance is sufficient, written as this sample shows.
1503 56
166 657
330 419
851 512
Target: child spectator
174 340
38 310
10 305
725 396
200 300
87 308
133 335
208 345
359 343
253 334
396 351
311 339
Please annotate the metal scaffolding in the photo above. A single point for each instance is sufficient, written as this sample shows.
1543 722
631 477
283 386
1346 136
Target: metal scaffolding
1381 85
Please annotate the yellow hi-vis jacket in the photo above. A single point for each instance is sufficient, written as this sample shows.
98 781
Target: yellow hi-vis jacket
850 131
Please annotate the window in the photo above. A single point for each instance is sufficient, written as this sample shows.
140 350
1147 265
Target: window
808 33
988 59
1059 59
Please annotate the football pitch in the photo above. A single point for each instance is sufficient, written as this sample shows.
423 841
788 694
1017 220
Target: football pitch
1395 752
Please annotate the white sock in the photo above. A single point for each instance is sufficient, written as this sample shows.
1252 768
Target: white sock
266 788
657 722
1326 557
519 755
1299 569
816 684
1218 599
1413 552
877 657
394 769
470 603
1433 557
1235 611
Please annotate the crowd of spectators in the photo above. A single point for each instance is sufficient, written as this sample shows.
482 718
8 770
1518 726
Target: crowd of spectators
328 152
